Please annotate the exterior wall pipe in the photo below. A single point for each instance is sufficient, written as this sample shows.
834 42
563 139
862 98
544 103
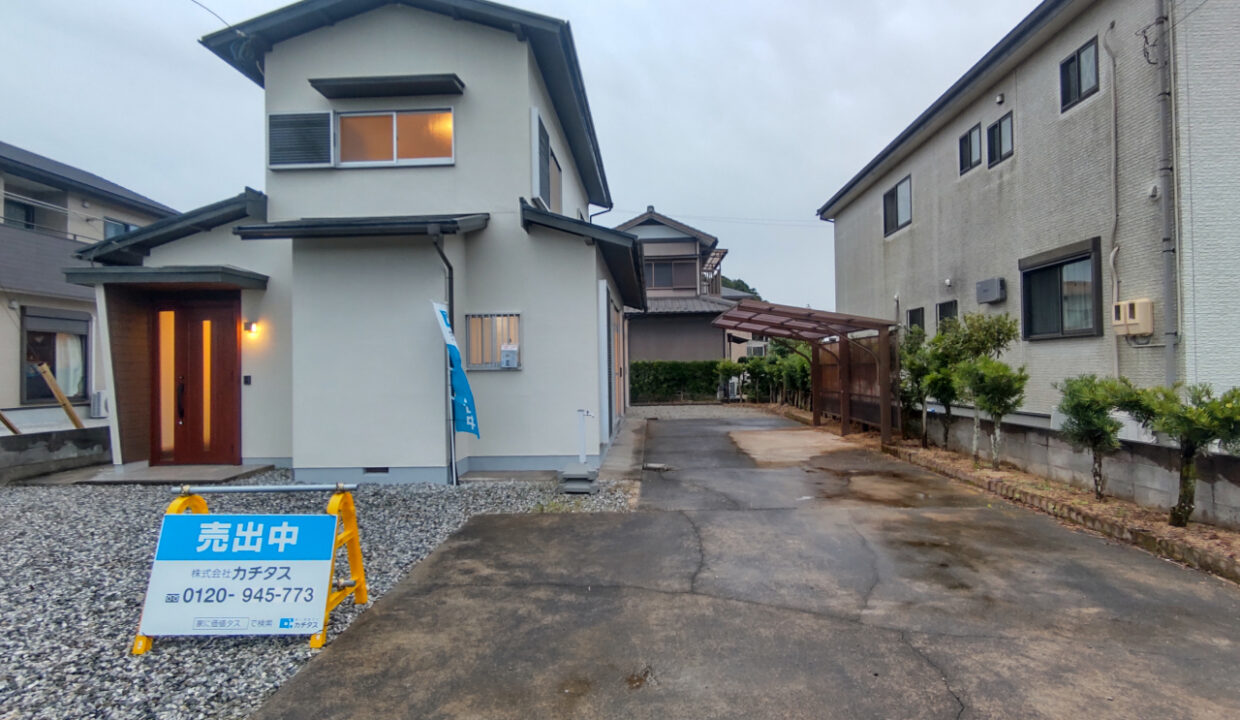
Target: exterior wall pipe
1114 239
1170 318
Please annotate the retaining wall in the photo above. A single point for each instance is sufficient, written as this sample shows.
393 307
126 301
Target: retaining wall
32 454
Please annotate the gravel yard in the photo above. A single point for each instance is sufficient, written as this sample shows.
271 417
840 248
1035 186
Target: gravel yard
77 562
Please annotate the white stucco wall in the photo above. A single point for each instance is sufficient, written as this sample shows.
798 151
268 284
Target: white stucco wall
1054 191
491 118
1207 155
266 404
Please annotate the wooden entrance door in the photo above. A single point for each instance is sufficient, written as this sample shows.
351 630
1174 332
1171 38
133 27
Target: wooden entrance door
196 393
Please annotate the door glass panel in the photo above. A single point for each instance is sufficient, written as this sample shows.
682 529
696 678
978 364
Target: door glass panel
167 382
206 385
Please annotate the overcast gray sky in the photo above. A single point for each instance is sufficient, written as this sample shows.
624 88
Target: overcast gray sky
739 118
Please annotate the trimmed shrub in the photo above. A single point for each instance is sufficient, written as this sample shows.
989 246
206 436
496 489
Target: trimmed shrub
673 381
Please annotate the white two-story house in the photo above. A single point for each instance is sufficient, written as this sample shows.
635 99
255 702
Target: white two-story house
417 151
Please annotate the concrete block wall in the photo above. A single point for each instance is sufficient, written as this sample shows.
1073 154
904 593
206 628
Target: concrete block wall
1145 474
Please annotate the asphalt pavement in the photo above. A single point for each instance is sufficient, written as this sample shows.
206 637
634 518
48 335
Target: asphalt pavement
754 584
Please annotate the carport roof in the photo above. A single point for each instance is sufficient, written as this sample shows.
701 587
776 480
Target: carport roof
795 323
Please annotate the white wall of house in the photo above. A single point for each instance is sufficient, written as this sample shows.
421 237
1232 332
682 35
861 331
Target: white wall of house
491 119
1055 190
575 204
1208 149
267 418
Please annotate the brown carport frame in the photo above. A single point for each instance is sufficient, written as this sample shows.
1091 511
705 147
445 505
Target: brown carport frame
813 327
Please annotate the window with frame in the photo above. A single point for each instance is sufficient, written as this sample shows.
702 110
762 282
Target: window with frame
1061 292
916 317
944 312
494 341
19 214
898 206
58 338
971 149
112 228
416 137
1078 75
999 140
671 274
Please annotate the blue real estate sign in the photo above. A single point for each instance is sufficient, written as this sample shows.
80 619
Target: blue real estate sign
240 575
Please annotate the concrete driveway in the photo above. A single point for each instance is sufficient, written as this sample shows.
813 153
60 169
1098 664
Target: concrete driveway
799 579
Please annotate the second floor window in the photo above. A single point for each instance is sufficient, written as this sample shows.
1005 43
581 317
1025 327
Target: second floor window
898 206
1078 75
917 318
397 138
971 149
671 274
999 140
112 228
19 214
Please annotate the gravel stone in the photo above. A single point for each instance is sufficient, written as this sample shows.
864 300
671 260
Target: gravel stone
77 563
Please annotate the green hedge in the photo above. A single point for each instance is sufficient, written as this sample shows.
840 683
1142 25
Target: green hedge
667 381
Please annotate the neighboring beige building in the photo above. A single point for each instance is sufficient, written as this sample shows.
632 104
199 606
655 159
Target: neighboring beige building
417 151
684 293
52 210
1032 187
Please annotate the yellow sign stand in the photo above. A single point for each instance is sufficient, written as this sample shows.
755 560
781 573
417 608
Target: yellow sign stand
340 505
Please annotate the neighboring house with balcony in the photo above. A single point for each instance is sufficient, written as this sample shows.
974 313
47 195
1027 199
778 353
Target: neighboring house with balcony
684 293
295 326
1032 187
51 210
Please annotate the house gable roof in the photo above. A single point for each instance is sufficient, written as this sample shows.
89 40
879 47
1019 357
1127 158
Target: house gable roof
245 45
129 248
32 166
1046 19
650 217
621 252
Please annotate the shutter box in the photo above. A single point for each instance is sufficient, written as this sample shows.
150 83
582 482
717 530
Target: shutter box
299 140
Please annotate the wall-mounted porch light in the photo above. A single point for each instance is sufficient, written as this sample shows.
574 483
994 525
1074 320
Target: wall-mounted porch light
251 327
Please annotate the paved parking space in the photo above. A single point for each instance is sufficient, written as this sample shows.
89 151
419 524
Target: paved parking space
842 584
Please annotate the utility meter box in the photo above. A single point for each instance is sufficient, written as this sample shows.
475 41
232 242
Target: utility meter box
509 356
1133 317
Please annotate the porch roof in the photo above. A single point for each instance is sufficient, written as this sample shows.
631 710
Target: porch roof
366 226
794 323
214 277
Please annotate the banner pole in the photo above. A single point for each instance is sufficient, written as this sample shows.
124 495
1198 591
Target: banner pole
451 425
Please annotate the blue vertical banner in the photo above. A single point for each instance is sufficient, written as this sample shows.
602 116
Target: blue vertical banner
463 412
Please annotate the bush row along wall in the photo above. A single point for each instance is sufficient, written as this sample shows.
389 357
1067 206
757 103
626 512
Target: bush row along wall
1144 474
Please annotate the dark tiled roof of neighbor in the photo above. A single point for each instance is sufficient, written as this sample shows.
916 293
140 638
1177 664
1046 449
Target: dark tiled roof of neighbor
731 294
702 304
57 174
33 263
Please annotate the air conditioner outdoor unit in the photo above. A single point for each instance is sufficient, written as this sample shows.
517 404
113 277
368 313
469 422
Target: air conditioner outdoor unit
1133 317
98 405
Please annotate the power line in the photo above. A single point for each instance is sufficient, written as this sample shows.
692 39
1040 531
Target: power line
217 15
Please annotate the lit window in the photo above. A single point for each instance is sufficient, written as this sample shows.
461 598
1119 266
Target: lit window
898 206
494 342
1078 75
971 149
1062 292
58 338
400 138
999 140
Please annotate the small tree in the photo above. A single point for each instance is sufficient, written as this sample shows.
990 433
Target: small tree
1195 421
1086 405
966 375
999 391
914 367
978 335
